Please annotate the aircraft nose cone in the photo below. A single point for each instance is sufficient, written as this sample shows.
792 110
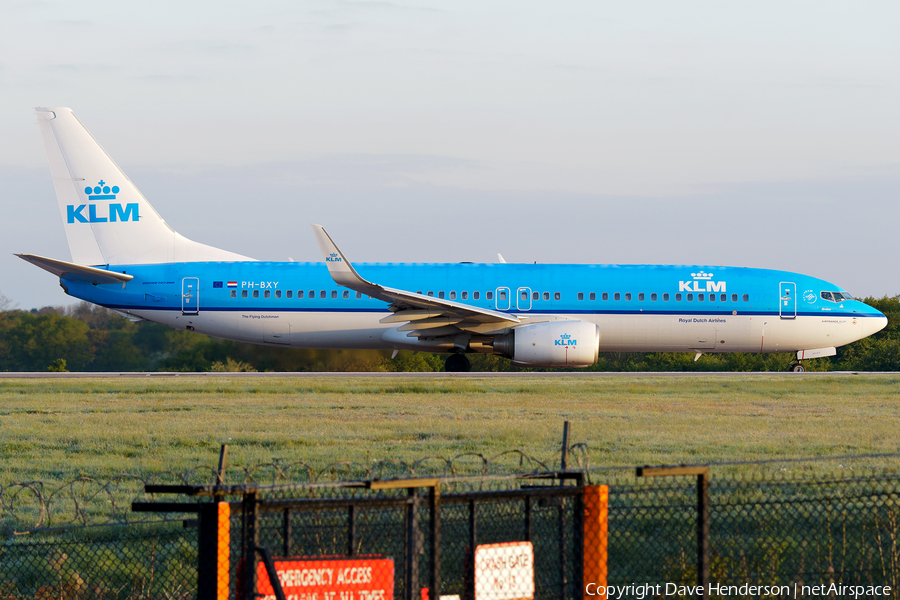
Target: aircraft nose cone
875 324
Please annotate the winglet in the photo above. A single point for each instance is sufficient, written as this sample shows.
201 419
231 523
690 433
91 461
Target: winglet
339 267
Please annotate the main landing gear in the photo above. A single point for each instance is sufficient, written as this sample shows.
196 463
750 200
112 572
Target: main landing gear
796 367
457 363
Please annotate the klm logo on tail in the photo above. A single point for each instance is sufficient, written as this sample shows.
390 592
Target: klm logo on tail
114 213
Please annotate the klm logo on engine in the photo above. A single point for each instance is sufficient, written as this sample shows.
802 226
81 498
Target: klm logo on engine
112 213
565 340
701 282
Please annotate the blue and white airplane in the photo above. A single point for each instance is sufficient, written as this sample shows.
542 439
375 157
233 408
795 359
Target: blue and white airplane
126 258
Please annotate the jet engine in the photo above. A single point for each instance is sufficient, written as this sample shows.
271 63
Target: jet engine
551 344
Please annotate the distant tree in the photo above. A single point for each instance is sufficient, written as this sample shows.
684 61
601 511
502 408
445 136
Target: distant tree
32 343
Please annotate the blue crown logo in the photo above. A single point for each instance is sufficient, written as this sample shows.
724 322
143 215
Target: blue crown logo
565 336
101 191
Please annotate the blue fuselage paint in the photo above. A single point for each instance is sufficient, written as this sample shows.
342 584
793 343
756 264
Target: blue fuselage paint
688 291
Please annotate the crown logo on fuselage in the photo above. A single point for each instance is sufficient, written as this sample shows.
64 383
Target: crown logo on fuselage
101 191
702 275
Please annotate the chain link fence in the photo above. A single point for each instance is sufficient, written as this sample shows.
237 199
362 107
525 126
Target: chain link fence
778 526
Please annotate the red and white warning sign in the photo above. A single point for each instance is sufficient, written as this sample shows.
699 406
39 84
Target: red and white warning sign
504 571
338 579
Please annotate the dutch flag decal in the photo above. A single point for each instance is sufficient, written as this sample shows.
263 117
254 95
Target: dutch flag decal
232 284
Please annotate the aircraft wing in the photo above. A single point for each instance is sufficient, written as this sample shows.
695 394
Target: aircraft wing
67 270
425 316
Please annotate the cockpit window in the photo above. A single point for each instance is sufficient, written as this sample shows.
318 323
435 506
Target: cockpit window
836 296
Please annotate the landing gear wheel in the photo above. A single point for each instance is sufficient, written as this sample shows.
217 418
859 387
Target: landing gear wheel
798 368
457 363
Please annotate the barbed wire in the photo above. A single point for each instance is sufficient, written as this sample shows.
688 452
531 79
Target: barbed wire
36 505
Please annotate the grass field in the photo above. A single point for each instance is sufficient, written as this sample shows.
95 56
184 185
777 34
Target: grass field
52 430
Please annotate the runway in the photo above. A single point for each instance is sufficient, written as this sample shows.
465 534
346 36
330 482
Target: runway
439 375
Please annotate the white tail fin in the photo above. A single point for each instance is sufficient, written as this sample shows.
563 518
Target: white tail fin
107 220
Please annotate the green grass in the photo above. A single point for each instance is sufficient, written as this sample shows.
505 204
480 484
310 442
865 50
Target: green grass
59 429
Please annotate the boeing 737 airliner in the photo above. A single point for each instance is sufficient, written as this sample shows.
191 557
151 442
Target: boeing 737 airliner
126 258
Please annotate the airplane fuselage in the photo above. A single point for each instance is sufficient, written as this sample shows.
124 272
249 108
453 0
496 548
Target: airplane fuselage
637 307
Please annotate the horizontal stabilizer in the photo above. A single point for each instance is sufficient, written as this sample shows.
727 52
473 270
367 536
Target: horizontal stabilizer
71 271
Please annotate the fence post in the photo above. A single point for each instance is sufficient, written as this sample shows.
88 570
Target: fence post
703 533
250 509
435 507
412 545
596 529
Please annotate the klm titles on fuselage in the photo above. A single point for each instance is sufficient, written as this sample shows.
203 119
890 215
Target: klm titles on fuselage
115 212
701 282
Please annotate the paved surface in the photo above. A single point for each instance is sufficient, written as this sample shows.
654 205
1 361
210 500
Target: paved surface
303 375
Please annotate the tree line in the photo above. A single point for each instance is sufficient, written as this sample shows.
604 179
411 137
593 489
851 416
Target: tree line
86 337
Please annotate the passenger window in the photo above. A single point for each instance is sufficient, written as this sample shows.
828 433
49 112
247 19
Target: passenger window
677 297
593 296
465 295
441 295
640 296
723 298
243 293
290 293
278 293
312 294
489 295
557 295
430 293
628 296
746 298
536 296
334 293
665 297
322 294
267 294
476 295
256 293
690 298
234 293
605 296
652 297
453 295
546 295
358 295
299 293
734 297
617 296
346 294
699 297
581 295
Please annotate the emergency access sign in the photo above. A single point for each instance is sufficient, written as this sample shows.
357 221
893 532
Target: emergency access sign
330 579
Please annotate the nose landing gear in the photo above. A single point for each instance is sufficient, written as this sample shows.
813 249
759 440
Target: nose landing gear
457 363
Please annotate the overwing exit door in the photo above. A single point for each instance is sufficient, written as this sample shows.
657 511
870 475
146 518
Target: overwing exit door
190 296
787 303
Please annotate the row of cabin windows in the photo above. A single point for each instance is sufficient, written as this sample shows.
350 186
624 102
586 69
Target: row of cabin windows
290 294
665 297
501 295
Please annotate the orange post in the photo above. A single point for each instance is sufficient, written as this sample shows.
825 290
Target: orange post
596 499
223 551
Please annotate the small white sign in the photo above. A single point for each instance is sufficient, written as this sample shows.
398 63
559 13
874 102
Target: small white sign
504 571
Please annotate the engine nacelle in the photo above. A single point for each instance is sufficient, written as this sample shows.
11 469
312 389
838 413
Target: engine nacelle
551 344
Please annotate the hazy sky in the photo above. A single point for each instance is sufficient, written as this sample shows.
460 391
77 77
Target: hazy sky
755 134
